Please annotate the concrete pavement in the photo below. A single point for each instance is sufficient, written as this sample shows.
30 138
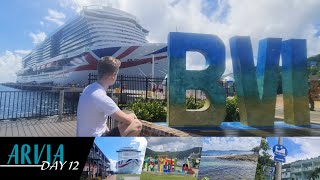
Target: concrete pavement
314 115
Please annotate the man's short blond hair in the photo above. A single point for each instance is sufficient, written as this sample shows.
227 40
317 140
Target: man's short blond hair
108 65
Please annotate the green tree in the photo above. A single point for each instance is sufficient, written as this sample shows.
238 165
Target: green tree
256 150
264 158
315 174
232 110
194 163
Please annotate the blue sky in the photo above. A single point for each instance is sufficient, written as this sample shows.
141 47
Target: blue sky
18 23
299 148
109 146
293 148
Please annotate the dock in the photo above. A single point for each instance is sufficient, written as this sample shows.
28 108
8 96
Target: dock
39 87
46 127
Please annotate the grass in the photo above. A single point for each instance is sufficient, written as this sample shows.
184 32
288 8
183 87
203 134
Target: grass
122 176
153 176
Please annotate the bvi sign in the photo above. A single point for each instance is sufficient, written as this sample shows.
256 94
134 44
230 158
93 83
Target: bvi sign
256 86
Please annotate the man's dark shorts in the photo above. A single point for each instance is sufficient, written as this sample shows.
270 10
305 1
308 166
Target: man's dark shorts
113 132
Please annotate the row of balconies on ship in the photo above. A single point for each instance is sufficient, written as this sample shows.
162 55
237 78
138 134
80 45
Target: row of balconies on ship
109 10
98 41
65 45
107 28
95 38
125 19
112 23
95 28
67 31
44 51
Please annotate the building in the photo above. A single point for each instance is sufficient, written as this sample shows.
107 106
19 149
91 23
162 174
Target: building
286 172
97 164
302 169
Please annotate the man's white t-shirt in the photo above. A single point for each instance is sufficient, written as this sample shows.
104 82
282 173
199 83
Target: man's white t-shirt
93 110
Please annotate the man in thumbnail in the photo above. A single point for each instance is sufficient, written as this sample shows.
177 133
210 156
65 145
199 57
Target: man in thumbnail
95 106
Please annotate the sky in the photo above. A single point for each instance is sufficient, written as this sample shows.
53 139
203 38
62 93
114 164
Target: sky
230 143
24 27
299 148
162 144
110 145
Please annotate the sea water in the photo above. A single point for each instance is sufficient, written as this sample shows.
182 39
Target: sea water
216 169
15 103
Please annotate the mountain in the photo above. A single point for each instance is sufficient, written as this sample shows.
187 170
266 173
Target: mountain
175 154
220 151
224 153
314 58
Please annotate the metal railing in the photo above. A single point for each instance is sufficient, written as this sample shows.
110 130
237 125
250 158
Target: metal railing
35 104
128 88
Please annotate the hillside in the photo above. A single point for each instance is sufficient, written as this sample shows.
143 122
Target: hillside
176 154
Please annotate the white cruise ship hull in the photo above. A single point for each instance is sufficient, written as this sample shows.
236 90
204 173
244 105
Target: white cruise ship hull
135 61
130 166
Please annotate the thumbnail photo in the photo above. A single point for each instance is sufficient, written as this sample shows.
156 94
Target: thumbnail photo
172 158
115 158
296 158
229 158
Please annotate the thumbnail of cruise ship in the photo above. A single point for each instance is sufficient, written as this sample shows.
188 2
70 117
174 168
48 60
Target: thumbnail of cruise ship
70 53
128 161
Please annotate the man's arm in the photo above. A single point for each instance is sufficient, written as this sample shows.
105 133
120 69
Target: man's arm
123 117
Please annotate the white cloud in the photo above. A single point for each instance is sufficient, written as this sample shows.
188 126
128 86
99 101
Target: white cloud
231 143
141 144
258 19
77 5
41 23
195 61
173 143
309 148
113 164
10 63
22 51
55 16
38 38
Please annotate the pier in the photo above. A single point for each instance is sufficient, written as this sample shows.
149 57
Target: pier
39 87
45 127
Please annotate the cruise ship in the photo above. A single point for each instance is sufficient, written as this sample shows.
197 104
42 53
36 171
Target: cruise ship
128 161
69 54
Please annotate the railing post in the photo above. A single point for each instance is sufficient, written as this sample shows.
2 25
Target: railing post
89 78
61 104
121 87
165 90
40 104
146 88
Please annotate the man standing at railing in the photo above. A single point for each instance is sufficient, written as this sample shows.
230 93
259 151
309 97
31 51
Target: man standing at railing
95 106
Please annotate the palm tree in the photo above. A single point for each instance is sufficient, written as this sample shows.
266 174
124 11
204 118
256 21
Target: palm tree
315 174
256 150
